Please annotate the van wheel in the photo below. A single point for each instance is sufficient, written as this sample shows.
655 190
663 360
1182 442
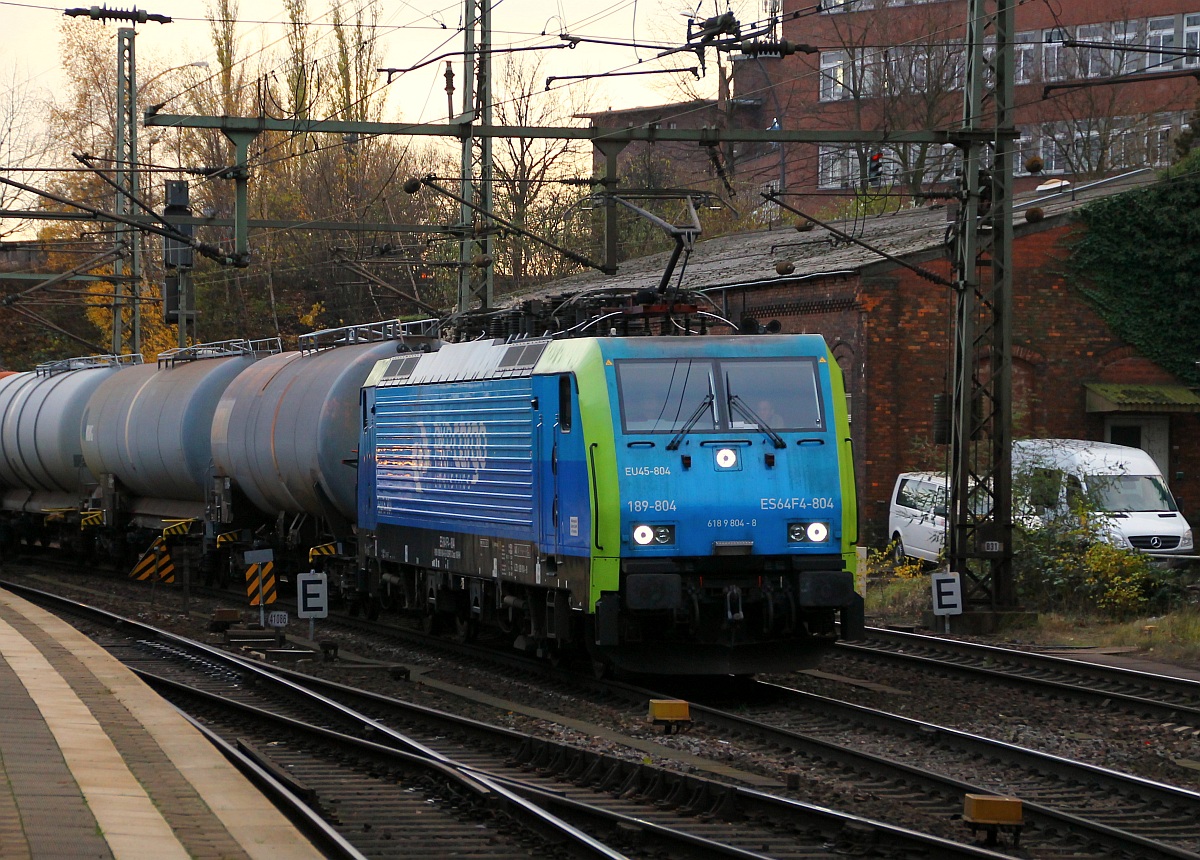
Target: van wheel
898 556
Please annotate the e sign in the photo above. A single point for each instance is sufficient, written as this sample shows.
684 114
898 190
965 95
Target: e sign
947 594
312 595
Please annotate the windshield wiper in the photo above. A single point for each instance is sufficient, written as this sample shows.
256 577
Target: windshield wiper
691 422
735 402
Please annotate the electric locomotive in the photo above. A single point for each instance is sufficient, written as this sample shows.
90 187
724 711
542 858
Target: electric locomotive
666 504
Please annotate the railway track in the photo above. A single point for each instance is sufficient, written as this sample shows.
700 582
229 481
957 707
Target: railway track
358 772
835 738
1155 696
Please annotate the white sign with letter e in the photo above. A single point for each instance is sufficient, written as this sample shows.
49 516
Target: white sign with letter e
947 593
312 595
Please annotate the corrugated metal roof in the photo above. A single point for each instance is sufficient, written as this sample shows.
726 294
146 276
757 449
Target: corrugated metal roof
750 258
1125 397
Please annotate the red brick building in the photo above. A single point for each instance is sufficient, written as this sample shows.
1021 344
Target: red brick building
891 330
899 64
880 65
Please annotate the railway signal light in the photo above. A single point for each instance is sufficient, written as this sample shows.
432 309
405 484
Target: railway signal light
875 168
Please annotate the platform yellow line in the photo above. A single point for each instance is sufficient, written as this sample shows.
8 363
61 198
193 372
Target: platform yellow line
126 815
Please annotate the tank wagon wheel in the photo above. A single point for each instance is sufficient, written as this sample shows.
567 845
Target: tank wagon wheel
387 600
431 622
898 556
466 629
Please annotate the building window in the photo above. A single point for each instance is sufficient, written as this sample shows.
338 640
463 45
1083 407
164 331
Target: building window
1024 57
1051 148
1125 62
834 166
1158 141
1191 40
1055 65
1022 151
1161 39
834 70
1093 59
832 6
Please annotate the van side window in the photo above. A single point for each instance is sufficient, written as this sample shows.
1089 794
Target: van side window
1044 485
1075 494
922 496
907 495
941 501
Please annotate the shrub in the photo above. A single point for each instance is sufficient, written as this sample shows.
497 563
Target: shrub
1067 567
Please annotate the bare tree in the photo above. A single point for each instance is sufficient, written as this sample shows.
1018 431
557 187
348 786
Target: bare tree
529 171
23 145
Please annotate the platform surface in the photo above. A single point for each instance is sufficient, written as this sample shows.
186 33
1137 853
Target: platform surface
94 764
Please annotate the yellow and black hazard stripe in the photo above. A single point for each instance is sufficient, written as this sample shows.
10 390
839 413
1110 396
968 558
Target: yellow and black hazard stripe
260 583
227 537
91 518
155 564
322 550
177 527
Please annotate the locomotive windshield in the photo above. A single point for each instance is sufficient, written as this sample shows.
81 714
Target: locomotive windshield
663 395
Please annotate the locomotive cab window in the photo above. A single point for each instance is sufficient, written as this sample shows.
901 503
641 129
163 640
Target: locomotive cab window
707 396
781 394
662 396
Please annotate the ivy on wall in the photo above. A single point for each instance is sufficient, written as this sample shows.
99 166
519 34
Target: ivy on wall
1138 263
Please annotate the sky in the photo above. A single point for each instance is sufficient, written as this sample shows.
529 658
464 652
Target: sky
414 32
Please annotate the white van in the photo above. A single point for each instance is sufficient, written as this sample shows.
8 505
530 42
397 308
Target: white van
917 516
1123 484
1050 476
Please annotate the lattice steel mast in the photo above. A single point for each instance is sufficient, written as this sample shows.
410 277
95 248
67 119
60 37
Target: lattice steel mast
980 538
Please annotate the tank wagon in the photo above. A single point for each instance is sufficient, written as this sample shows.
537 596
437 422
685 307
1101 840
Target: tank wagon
685 504
659 503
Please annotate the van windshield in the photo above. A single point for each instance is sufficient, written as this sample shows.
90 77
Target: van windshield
1127 493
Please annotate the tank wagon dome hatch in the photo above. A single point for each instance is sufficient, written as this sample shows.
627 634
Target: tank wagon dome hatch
149 426
286 430
42 466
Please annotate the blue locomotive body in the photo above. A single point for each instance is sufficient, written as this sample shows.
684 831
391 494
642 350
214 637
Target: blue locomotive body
675 504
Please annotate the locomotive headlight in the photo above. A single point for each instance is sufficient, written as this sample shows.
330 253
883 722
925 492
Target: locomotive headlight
727 458
645 535
807 532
